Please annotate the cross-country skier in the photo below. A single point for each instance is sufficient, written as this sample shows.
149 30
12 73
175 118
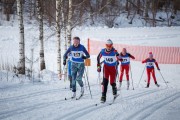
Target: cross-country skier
109 69
125 64
69 70
150 68
79 53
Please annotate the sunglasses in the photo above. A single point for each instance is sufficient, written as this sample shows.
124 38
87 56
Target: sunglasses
109 45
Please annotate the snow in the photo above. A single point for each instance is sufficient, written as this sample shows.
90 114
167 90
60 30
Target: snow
43 98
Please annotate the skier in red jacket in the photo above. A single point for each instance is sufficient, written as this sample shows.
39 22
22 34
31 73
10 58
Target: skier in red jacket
150 68
125 63
110 55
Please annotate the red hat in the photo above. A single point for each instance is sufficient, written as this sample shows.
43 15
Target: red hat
150 52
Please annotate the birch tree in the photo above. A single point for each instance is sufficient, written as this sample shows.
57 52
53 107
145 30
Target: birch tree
58 36
63 24
69 24
21 63
39 4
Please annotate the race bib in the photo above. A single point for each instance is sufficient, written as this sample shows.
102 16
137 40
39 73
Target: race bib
110 59
125 60
77 54
150 64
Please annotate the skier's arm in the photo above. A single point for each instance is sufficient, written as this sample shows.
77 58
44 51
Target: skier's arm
66 53
98 62
144 61
119 57
86 53
156 65
131 56
99 58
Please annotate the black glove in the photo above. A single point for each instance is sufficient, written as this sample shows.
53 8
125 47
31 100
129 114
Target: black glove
98 68
64 62
83 57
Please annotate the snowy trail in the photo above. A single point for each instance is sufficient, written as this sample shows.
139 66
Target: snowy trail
45 100
92 108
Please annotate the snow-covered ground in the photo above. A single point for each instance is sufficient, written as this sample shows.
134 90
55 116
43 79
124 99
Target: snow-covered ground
22 99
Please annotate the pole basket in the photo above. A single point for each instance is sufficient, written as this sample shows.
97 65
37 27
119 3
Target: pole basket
87 62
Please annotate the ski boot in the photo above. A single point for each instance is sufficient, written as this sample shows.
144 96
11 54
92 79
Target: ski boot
114 88
73 95
103 99
157 84
147 86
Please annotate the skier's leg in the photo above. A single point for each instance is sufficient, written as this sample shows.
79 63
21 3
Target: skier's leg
80 73
74 74
148 77
69 73
154 77
70 80
127 72
113 79
104 83
122 72
127 75
121 76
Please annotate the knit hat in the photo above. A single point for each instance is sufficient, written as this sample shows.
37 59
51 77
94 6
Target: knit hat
109 42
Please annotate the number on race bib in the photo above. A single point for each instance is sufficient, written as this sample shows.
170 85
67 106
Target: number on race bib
77 54
150 64
125 60
109 59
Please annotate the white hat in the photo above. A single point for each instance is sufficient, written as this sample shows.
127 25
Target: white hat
109 42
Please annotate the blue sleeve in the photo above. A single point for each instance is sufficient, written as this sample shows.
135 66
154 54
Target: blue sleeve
66 53
86 52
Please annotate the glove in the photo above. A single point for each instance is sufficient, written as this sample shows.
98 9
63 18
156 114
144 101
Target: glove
64 62
98 68
83 57
158 69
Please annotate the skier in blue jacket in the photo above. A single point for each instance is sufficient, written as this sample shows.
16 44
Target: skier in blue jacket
79 53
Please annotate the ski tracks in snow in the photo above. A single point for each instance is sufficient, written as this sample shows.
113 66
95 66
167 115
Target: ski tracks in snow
78 113
147 110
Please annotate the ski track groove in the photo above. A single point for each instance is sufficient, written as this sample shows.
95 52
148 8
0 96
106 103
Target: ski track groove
33 94
9 113
150 109
91 108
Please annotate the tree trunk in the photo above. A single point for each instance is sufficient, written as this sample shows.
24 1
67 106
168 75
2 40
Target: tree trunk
39 4
127 6
21 63
69 25
138 5
154 10
58 36
146 8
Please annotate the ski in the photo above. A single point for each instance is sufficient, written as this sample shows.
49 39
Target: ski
114 98
78 98
69 98
104 103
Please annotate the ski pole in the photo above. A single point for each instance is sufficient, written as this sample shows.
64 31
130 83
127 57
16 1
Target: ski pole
141 76
88 82
163 78
98 79
131 77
